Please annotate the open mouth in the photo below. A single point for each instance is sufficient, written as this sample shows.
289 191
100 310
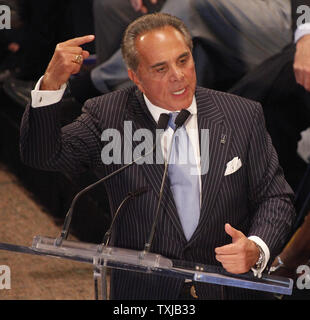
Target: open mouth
179 92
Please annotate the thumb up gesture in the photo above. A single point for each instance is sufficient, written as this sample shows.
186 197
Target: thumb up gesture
240 255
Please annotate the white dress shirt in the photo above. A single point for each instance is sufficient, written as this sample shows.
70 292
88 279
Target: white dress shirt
301 31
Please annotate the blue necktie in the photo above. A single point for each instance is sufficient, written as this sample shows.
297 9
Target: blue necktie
184 181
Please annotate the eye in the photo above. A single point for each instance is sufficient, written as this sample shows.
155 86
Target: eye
183 60
161 69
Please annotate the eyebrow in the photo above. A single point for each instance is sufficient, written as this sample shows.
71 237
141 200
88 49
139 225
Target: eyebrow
185 54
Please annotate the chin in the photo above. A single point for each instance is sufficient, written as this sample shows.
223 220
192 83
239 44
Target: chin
186 104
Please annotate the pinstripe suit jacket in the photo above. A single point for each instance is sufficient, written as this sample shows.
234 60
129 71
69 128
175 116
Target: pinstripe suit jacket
255 199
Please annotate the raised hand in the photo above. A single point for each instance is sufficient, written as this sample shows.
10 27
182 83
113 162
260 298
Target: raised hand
67 60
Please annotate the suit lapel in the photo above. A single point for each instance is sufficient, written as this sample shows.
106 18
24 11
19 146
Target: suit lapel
141 118
213 157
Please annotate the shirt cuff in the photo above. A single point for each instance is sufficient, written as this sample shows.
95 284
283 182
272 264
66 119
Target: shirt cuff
41 98
301 31
262 244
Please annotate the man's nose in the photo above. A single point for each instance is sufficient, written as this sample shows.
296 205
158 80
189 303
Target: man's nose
176 74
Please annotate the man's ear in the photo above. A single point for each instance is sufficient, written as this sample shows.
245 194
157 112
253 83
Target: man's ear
133 77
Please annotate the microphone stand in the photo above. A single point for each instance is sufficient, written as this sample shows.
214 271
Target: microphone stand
162 124
68 218
179 121
105 242
130 195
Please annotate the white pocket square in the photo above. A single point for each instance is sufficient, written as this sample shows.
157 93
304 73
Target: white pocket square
232 166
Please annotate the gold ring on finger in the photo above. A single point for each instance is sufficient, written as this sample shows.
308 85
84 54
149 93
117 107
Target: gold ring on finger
78 59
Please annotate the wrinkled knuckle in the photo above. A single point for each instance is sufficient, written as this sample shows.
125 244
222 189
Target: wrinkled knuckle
297 68
59 47
60 54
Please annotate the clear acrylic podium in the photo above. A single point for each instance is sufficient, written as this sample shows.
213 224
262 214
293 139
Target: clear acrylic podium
104 257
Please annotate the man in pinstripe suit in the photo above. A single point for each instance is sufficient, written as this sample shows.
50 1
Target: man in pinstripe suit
246 210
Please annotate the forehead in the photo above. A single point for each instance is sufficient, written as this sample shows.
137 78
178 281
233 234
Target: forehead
162 43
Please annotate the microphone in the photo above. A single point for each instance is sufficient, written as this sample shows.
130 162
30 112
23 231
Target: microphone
163 121
181 118
162 124
179 121
130 195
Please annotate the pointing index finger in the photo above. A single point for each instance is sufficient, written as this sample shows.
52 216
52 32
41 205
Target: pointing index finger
80 40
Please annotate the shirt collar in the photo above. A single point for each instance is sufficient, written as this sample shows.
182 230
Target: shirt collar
157 111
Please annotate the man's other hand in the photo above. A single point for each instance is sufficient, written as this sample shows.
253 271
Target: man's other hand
67 60
302 62
240 255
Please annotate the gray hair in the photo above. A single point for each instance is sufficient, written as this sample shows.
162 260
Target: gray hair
145 24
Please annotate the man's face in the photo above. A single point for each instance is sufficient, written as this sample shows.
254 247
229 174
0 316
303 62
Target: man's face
166 72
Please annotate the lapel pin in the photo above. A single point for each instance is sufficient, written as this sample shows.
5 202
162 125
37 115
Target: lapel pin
223 138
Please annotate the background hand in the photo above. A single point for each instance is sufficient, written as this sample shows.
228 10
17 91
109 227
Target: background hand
65 62
14 47
302 62
239 256
139 6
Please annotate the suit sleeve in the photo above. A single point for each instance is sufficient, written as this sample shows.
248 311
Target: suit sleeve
269 193
45 145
